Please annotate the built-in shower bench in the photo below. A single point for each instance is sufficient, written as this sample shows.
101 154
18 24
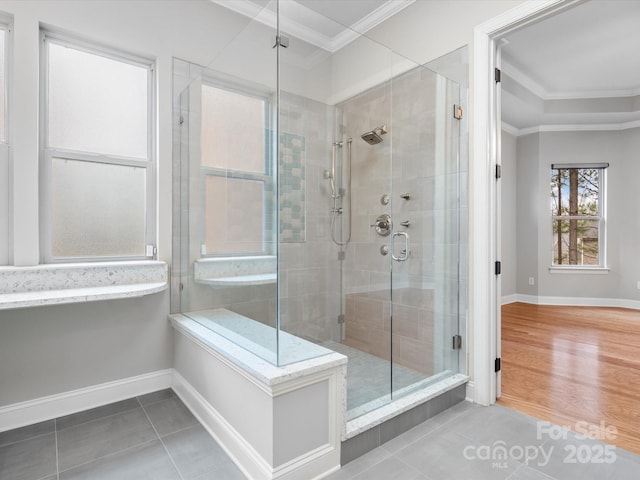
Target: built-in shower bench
79 282
281 422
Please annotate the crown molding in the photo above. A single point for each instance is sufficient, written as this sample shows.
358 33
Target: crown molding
304 32
604 127
540 91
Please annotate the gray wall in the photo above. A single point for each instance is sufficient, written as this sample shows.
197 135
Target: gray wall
508 217
55 349
535 154
528 190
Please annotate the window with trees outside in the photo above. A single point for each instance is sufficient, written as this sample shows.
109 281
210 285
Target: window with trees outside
98 190
577 209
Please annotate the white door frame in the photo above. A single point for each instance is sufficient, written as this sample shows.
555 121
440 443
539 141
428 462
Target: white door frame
484 287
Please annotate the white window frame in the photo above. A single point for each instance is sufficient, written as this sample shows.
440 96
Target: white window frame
6 170
48 153
600 218
267 177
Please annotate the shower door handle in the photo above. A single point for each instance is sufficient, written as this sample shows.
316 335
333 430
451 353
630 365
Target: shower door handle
404 254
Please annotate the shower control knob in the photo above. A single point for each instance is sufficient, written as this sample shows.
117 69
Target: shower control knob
384 250
383 225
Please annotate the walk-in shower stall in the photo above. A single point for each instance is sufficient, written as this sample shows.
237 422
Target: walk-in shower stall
320 203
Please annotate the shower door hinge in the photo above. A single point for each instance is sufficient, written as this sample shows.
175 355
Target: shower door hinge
181 120
457 342
457 112
498 75
497 365
341 318
498 171
151 250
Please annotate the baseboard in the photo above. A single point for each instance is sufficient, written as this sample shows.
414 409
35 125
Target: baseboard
507 299
246 458
471 392
53 406
573 301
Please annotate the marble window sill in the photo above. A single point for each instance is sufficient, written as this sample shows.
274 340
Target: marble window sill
41 285
229 271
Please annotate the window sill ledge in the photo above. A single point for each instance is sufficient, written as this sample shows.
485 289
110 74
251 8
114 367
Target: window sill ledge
580 270
236 271
79 282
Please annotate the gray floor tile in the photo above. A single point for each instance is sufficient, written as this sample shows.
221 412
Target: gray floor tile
96 413
625 467
390 469
158 396
30 459
526 473
410 436
449 455
197 455
454 412
24 433
144 462
360 464
488 425
92 440
576 459
170 416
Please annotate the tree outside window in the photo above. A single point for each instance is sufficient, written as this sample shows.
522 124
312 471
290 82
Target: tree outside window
577 212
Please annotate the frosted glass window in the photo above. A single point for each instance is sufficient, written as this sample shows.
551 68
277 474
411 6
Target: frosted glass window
96 104
234 215
98 209
233 130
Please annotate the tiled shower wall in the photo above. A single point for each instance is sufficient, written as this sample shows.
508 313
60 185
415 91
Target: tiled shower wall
308 278
413 158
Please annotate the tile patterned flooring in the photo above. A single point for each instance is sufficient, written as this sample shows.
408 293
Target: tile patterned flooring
155 437
150 437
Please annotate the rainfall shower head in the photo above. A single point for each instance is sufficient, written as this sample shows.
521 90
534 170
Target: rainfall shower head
374 136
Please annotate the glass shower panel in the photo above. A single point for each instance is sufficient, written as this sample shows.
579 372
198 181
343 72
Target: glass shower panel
227 126
424 245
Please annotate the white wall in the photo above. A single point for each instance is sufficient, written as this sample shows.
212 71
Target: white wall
49 350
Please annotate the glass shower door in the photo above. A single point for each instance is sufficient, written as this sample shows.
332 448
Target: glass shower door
424 243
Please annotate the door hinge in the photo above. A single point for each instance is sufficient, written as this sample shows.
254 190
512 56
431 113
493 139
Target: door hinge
497 365
498 171
457 112
498 267
498 75
457 342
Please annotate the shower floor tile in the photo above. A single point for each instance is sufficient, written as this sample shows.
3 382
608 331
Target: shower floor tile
369 378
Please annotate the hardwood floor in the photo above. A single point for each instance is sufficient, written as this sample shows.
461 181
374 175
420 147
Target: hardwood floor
574 364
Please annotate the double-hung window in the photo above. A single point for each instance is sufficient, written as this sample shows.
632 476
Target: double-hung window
578 215
236 171
98 153
5 170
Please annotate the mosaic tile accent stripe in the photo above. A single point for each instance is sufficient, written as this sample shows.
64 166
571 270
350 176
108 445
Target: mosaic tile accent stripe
292 188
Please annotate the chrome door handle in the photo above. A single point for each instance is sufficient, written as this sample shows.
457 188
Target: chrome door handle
404 254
